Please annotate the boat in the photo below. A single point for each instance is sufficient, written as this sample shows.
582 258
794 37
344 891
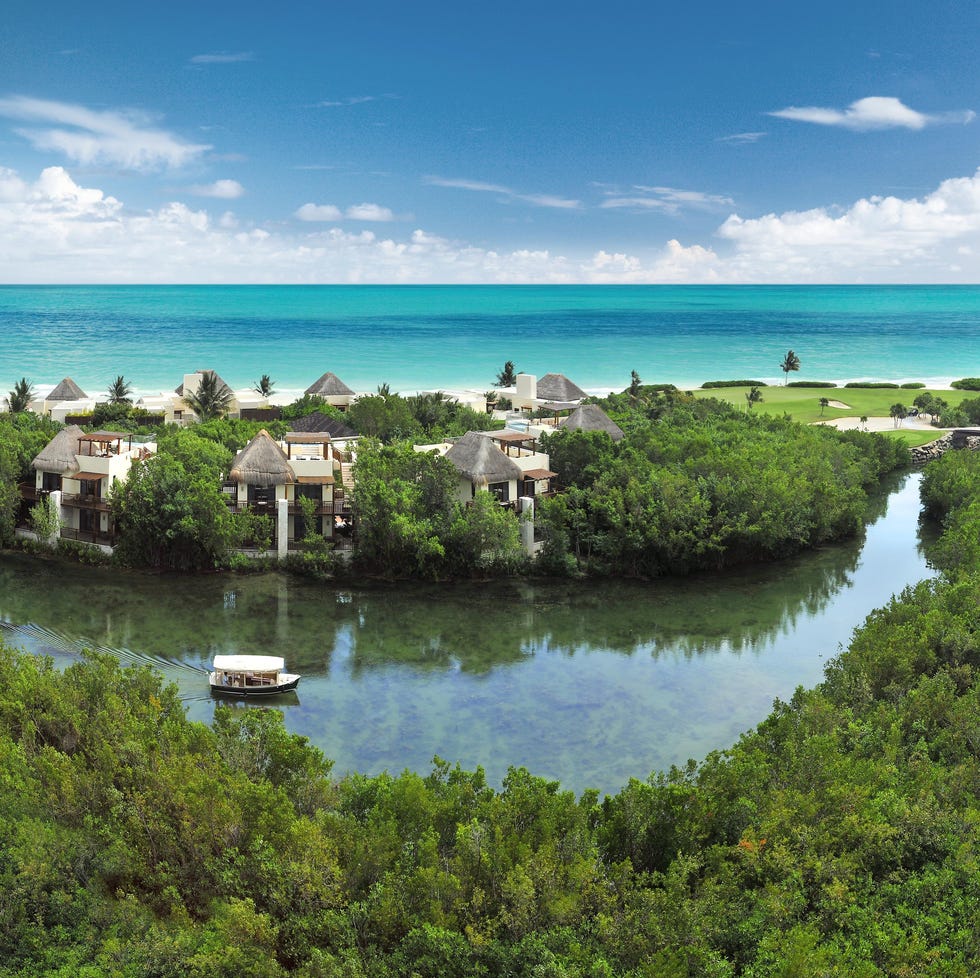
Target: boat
246 676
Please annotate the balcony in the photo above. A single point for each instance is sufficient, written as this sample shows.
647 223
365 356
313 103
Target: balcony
87 536
85 500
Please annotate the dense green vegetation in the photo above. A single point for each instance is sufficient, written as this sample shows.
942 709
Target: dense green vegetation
839 838
696 485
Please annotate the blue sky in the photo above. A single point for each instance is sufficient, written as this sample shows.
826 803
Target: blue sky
622 141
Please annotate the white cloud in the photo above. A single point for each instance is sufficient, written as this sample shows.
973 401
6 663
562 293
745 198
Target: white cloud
875 112
222 58
538 200
318 212
741 137
369 212
118 138
223 189
669 200
54 230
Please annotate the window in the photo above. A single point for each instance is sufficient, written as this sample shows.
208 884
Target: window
501 490
50 481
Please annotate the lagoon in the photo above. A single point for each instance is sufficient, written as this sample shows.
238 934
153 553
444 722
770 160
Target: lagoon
587 683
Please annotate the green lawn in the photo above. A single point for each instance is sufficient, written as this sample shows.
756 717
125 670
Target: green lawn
803 403
913 437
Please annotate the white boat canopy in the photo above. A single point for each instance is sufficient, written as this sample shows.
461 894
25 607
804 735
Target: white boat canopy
248 663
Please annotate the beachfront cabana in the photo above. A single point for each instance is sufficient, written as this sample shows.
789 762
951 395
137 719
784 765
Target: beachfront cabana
482 465
67 390
333 390
591 417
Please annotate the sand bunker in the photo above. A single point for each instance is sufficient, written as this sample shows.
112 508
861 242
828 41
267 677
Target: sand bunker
840 405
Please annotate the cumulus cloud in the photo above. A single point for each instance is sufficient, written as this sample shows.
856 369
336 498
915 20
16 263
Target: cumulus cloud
874 112
318 212
357 212
54 230
506 193
875 239
222 58
117 138
369 212
222 189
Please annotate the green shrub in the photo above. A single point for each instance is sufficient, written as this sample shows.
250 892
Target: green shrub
872 385
712 384
914 385
811 383
966 384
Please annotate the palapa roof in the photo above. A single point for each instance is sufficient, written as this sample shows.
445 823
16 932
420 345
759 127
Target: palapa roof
222 383
591 417
59 453
478 459
557 387
262 463
329 385
67 390
318 421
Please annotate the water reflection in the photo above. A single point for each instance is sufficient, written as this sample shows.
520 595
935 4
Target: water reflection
590 683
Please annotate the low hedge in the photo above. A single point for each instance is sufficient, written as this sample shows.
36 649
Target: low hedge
914 385
966 384
712 384
882 385
811 383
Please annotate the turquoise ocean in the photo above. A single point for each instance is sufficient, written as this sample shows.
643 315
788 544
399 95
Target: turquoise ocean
429 337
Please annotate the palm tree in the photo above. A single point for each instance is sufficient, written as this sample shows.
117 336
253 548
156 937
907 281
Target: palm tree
384 390
211 399
824 402
491 398
19 399
790 362
753 396
119 391
898 412
864 422
506 377
264 385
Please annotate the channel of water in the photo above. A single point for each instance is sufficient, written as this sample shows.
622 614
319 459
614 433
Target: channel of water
587 683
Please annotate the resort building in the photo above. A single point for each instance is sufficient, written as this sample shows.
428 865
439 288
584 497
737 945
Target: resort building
591 417
270 479
505 463
554 391
75 472
333 390
179 411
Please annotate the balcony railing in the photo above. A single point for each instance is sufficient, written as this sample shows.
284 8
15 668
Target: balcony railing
87 536
85 500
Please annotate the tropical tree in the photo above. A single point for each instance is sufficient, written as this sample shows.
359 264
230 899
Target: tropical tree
264 385
491 399
119 391
790 362
19 399
384 390
824 402
211 399
864 422
753 396
507 377
899 413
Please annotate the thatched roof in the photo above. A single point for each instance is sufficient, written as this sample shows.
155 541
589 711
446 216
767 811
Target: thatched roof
329 385
59 453
262 463
221 383
557 387
67 390
591 417
318 421
478 459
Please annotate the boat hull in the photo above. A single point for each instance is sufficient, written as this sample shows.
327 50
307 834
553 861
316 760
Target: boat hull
254 692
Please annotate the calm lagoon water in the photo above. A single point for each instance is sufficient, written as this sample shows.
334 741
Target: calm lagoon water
590 684
450 336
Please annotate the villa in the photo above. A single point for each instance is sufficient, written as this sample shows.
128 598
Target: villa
591 417
75 472
553 391
504 463
270 479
